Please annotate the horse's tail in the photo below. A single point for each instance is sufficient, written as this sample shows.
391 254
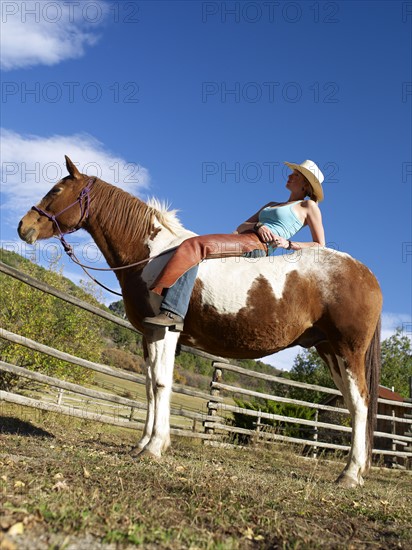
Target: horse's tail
372 368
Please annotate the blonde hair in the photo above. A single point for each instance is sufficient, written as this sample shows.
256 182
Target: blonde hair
310 192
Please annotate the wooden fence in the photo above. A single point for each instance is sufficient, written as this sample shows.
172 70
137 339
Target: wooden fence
266 432
95 405
194 413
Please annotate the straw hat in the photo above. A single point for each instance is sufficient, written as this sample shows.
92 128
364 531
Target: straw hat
312 173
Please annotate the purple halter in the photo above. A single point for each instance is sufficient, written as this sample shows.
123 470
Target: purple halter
84 213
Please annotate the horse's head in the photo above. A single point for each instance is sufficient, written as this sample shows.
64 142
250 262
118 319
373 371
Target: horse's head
62 210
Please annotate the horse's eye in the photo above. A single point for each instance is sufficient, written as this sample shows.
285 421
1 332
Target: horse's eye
54 191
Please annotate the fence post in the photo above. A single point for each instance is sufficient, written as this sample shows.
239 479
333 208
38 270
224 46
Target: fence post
315 435
259 421
214 392
60 396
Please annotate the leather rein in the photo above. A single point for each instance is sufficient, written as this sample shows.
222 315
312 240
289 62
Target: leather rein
84 200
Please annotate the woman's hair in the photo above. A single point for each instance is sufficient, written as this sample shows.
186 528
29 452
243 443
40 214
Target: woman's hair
310 192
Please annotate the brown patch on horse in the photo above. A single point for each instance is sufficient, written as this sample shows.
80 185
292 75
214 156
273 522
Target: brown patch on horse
257 329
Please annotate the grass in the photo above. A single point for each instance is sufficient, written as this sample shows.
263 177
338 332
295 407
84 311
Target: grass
68 484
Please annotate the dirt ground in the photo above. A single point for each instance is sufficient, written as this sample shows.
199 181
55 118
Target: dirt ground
72 485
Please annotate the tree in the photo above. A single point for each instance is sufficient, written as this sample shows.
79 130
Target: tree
45 319
396 354
397 362
310 368
118 309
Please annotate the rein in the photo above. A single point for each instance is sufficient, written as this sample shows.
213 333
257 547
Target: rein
84 213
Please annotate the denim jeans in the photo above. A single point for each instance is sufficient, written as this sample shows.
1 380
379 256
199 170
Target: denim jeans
177 297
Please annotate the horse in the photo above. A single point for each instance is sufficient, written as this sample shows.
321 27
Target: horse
314 297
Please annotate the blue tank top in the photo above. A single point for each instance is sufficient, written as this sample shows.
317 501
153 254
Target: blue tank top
281 220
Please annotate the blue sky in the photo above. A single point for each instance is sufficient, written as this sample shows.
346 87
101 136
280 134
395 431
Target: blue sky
199 103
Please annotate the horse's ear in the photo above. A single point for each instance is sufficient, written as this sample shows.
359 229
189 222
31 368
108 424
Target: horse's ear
71 168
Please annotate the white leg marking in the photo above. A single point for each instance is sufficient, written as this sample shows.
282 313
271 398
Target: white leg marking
359 411
161 349
148 428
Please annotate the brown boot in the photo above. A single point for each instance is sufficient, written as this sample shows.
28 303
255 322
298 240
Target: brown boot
165 319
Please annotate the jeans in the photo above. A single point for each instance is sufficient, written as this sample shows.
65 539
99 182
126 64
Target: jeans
177 297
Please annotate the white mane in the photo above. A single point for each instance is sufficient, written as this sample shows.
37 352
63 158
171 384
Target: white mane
166 217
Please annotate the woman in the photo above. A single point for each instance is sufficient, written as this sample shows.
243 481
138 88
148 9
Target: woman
270 228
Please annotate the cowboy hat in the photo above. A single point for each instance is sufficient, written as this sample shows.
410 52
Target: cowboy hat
312 173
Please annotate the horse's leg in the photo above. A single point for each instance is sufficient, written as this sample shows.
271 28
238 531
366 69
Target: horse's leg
354 358
328 355
349 377
161 345
148 427
356 397
147 431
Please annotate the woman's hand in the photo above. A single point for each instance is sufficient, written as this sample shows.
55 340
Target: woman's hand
266 236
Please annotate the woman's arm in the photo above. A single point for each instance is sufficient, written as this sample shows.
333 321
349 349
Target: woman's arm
314 221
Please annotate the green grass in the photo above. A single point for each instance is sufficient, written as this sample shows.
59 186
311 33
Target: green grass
73 484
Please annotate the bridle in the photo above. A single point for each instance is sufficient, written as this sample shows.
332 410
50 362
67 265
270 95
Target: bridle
84 200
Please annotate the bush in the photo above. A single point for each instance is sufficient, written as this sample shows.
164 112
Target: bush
243 420
123 359
43 318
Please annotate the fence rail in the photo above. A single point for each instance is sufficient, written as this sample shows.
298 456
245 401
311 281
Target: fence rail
97 367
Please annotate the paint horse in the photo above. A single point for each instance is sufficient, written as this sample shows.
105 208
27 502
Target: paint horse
315 297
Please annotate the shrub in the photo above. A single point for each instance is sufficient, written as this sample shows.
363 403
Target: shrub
243 420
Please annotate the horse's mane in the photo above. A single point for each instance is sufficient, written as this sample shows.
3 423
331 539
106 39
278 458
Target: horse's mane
131 215
165 215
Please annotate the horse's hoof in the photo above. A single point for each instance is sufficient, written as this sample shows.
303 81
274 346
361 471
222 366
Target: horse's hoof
349 482
145 454
136 451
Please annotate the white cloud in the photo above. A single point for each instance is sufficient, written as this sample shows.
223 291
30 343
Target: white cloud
31 165
45 33
392 321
